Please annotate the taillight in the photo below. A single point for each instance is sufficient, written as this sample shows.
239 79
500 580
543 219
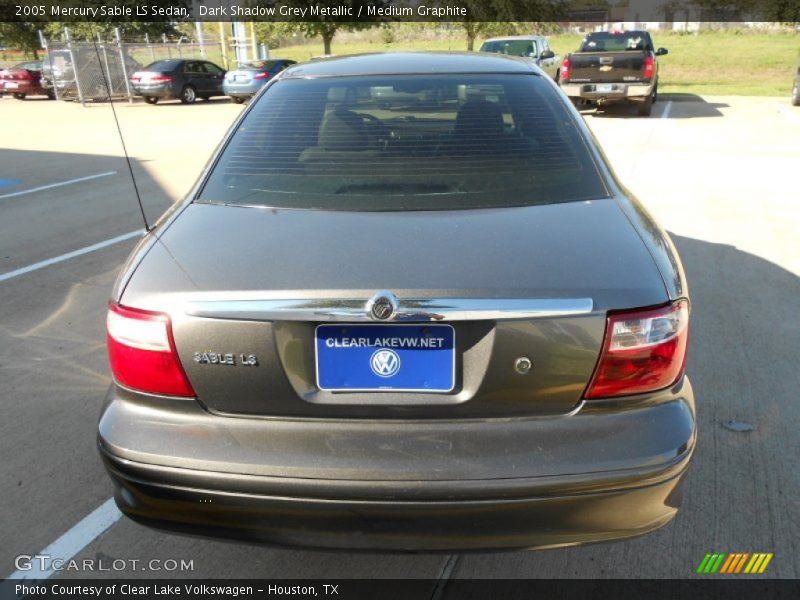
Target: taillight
142 353
643 351
649 66
565 65
260 75
160 78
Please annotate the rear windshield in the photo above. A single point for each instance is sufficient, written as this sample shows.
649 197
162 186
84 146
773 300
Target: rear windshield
511 47
163 65
421 142
614 42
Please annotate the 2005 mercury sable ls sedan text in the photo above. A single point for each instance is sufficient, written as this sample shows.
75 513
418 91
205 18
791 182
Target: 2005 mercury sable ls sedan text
408 307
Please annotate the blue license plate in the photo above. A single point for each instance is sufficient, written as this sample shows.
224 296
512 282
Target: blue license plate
365 358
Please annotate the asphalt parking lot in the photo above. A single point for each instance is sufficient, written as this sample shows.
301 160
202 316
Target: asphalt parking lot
719 173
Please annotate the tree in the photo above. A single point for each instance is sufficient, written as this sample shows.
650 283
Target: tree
22 36
130 27
503 17
786 11
85 30
273 33
326 26
326 30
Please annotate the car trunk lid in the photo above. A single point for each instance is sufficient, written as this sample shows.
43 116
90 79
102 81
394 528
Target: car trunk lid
223 271
148 77
240 76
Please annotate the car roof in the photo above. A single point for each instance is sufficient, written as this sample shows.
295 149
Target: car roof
409 63
619 32
514 37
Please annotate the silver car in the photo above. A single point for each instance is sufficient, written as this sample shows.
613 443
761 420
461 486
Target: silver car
535 48
416 325
245 81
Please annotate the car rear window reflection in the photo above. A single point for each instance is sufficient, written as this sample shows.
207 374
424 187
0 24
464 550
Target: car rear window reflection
405 143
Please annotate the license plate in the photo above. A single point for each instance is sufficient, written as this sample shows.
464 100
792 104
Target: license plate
240 77
11 86
403 358
606 87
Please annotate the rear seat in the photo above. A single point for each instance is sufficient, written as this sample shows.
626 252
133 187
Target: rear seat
342 139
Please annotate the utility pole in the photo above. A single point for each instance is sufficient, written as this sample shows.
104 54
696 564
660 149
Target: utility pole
198 28
223 45
239 41
253 40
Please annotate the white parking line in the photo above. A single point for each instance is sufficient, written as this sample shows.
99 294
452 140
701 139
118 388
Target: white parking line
667 110
68 255
58 184
72 542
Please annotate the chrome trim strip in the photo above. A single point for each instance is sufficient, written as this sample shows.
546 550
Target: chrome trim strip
419 309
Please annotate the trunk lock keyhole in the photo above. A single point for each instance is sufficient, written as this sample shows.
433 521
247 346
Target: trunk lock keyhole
523 365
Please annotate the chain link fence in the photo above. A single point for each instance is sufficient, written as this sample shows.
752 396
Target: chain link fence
149 51
92 71
87 71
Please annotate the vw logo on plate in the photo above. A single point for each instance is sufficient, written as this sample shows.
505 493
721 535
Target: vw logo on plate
384 363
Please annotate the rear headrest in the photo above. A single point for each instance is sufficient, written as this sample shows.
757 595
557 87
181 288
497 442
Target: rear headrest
342 130
479 119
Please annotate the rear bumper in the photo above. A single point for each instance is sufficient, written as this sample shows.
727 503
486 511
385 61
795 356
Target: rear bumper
164 92
241 91
600 473
21 87
620 91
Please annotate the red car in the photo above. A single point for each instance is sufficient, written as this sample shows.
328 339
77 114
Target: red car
23 80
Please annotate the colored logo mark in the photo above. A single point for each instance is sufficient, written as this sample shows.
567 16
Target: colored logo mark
385 363
734 563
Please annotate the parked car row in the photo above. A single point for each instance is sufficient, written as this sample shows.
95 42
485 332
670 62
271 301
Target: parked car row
23 80
188 80
182 79
608 67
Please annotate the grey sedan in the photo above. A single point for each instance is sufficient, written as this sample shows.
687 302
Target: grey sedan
186 80
431 320
244 82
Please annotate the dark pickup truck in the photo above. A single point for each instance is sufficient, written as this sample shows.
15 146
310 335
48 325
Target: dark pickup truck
613 67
